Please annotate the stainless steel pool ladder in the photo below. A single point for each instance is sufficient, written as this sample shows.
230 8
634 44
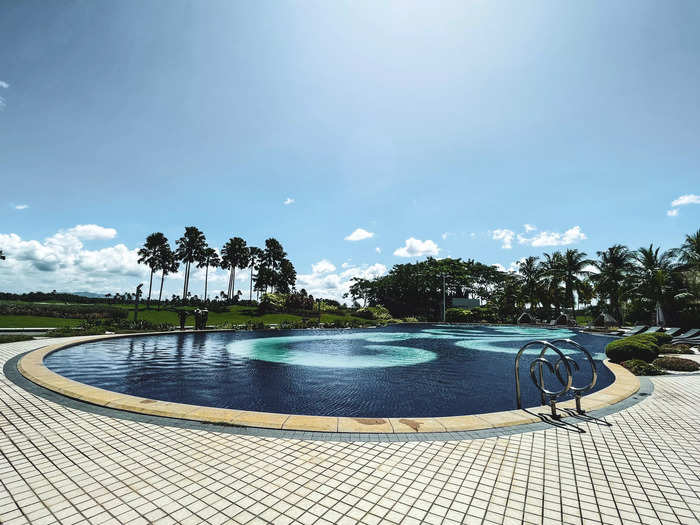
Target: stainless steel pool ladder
567 384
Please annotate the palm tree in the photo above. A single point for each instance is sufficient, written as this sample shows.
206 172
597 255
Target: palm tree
688 253
189 249
652 274
613 266
574 263
167 264
689 257
530 272
234 254
553 273
255 255
210 257
149 254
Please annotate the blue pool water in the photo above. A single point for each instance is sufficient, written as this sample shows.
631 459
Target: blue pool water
397 371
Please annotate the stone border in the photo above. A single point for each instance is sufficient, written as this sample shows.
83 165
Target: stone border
32 367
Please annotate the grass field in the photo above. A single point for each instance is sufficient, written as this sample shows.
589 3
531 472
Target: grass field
35 321
235 315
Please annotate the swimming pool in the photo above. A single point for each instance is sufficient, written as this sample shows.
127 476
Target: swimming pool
397 371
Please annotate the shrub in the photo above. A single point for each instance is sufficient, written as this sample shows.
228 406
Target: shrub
657 338
272 302
677 364
458 315
410 320
675 349
642 368
632 347
378 312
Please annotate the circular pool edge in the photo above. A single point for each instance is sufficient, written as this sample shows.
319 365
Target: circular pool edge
32 367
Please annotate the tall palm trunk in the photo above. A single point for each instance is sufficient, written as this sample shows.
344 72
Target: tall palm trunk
250 297
160 295
206 281
232 289
187 278
150 286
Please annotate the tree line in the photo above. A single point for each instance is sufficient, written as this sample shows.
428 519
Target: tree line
270 269
629 285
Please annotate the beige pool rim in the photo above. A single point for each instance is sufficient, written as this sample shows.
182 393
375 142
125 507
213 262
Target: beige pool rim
32 367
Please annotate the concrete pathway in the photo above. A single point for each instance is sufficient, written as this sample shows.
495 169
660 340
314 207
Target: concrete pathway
61 465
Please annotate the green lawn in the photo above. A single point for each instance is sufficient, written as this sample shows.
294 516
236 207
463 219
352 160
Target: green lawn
35 321
236 315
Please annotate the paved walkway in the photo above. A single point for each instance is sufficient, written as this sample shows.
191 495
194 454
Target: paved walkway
60 465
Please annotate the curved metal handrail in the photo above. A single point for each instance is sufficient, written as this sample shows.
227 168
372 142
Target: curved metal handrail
540 385
567 362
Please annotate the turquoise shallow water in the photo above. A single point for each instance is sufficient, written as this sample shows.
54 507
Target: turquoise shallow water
403 370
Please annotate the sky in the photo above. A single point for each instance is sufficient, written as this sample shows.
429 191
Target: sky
359 134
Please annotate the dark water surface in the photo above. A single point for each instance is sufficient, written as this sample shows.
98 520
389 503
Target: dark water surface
397 371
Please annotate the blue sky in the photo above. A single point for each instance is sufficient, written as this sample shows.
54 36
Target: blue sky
455 123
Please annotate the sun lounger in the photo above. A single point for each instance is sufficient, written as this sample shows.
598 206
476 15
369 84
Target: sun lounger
690 334
672 331
633 331
653 330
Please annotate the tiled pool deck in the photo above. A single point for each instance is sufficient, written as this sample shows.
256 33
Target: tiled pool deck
59 464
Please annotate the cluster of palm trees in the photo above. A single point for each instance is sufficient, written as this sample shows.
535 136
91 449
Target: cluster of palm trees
269 267
647 279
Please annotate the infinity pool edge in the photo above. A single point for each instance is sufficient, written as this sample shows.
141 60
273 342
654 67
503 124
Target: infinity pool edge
32 367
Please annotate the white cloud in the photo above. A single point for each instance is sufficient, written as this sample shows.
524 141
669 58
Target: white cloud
504 235
530 228
378 249
446 235
686 199
417 248
289 201
323 266
546 238
472 235
513 267
3 85
61 262
91 232
320 283
683 200
21 206
359 234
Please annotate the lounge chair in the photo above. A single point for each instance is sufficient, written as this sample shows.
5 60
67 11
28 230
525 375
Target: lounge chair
633 331
690 334
653 330
672 331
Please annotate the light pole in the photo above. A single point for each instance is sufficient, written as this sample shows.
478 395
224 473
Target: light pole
443 297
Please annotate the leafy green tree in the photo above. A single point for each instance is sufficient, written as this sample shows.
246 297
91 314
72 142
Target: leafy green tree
613 265
189 250
255 256
149 255
234 254
287 277
209 259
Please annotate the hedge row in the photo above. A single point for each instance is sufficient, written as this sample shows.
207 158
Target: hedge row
642 346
